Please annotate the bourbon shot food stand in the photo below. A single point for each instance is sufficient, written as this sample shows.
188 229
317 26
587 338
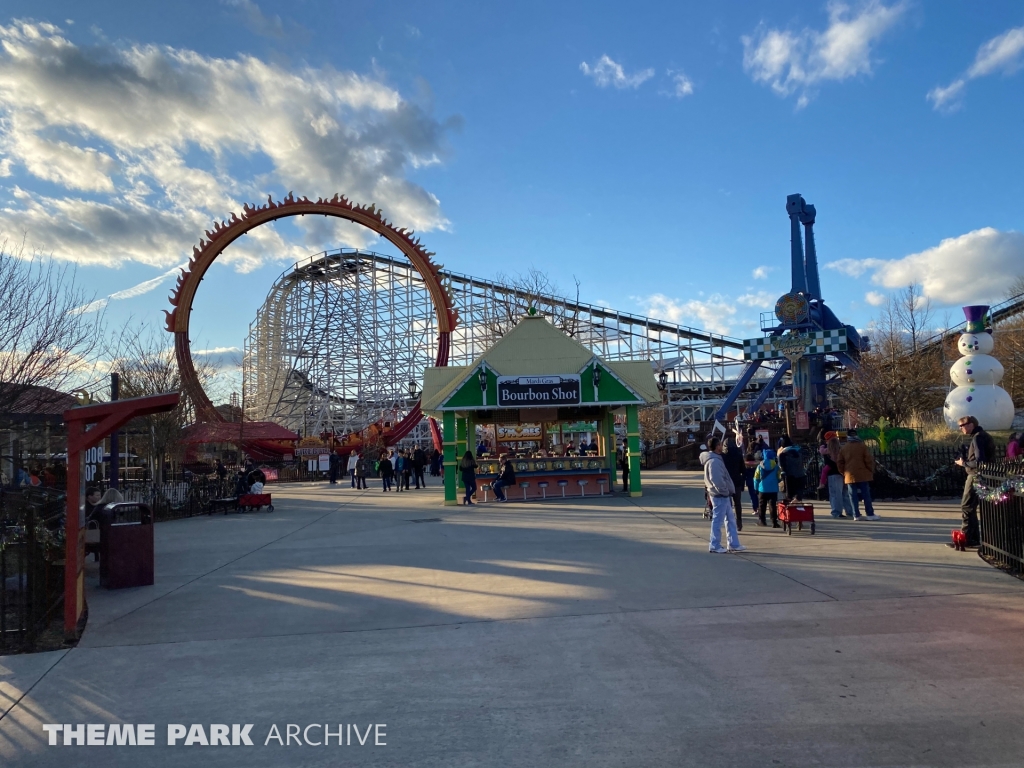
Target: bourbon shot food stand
533 379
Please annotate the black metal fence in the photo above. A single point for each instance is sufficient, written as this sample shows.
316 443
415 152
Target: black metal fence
927 473
1001 488
187 494
655 457
31 570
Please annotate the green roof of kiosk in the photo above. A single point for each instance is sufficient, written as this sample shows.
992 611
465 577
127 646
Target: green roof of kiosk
534 347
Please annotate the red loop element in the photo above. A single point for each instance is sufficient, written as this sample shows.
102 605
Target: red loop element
225 233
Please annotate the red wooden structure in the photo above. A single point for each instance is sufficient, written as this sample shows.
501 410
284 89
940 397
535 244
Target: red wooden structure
104 418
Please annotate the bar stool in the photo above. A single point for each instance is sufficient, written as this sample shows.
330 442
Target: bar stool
485 488
524 485
562 484
601 483
583 486
543 485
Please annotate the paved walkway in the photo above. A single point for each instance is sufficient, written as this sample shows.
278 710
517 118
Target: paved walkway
595 632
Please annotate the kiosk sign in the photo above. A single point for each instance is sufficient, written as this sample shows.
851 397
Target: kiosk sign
516 391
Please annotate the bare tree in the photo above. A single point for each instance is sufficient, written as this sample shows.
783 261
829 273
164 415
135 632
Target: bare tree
1009 350
532 289
1016 288
46 341
147 365
899 377
653 430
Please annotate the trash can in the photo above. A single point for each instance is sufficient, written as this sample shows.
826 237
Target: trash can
126 545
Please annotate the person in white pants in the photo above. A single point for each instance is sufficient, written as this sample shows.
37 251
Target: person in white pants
720 488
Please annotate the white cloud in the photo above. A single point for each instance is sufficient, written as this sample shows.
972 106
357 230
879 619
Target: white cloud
151 144
761 273
759 300
713 313
855 267
1003 53
607 72
792 62
681 84
969 269
874 298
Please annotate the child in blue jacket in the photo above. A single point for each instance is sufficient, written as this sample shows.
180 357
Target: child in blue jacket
766 480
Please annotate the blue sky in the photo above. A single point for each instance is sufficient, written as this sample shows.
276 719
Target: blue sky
646 149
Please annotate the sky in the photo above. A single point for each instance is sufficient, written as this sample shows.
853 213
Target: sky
645 149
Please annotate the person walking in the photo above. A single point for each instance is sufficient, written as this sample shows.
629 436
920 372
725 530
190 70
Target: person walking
766 478
858 467
350 467
750 447
386 470
468 469
361 470
981 449
419 461
791 464
405 471
737 468
624 466
720 489
332 468
507 479
399 463
839 498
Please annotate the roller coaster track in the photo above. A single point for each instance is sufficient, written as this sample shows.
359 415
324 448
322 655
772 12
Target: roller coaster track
1012 307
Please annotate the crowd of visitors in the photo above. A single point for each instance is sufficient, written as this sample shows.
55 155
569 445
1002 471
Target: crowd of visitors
737 460
400 469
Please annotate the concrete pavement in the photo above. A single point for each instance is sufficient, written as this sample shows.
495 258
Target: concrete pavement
593 632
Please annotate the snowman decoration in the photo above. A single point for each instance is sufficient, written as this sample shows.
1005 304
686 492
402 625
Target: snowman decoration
977 375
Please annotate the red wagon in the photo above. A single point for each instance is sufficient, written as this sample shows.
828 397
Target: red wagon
254 502
796 512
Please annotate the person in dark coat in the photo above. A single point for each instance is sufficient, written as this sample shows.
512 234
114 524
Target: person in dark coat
791 463
624 466
361 470
468 469
981 449
419 461
507 479
241 483
256 476
736 467
332 468
386 470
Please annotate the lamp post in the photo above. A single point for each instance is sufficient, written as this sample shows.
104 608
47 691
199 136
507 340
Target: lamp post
413 388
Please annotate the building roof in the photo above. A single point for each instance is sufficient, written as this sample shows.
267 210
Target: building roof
234 432
638 375
534 347
21 401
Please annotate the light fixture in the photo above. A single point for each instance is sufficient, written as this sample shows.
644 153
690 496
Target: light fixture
597 375
662 380
482 375
413 387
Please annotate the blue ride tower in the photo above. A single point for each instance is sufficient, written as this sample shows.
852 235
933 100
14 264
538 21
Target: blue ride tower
803 330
